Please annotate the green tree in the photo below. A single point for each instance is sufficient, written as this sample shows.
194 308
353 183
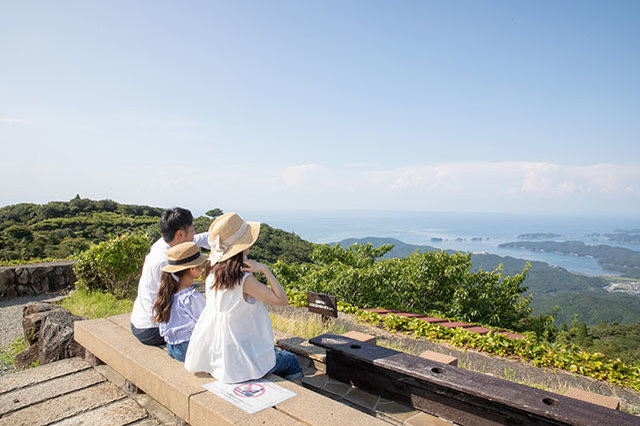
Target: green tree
213 213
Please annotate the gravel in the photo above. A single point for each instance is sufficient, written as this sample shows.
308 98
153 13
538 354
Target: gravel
11 320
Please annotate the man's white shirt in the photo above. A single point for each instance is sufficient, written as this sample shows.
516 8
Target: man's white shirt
142 315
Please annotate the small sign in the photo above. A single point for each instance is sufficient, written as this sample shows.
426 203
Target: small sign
251 396
323 304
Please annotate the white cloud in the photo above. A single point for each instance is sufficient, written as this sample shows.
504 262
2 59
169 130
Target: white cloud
295 176
469 186
14 120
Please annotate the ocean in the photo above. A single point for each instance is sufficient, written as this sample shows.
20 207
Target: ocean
473 232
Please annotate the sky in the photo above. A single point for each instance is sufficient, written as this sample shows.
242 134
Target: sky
461 106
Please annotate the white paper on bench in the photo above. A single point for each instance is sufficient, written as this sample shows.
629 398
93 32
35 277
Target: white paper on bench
252 395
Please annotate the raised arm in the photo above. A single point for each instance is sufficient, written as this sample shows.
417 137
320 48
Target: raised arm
273 294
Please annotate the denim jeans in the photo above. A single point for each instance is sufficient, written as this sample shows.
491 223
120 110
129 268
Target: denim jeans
287 366
148 336
178 351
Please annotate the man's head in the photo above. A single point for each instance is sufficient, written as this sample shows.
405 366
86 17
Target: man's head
176 226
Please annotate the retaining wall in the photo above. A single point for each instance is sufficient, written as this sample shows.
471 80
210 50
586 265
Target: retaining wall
35 278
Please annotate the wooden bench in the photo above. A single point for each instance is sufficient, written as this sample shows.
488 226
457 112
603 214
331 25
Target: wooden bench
165 380
454 394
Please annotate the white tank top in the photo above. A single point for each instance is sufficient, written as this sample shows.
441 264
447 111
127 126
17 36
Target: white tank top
233 338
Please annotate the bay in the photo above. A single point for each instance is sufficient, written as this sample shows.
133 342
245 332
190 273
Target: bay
468 232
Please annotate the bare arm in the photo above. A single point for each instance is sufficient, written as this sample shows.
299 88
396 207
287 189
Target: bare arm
273 294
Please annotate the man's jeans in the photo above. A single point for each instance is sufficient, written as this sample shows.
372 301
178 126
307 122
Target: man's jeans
148 336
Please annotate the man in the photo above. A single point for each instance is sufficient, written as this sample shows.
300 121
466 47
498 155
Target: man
176 226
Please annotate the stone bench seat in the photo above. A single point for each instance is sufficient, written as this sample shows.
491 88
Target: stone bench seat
165 380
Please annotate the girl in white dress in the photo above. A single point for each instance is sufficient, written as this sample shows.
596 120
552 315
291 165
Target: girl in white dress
233 338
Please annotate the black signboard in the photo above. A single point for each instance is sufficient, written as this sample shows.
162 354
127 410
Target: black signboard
323 304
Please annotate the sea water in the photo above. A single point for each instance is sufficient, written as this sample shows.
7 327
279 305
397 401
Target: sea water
469 232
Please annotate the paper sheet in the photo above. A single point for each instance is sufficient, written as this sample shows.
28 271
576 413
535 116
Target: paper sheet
251 396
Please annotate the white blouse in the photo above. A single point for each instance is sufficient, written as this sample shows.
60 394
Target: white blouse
233 338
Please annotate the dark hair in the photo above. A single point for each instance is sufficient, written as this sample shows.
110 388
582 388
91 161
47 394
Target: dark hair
173 220
168 287
226 274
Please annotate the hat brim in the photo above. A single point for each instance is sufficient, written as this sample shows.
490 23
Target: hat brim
247 240
177 268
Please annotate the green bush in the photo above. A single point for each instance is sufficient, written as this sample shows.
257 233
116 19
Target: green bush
112 266
431 282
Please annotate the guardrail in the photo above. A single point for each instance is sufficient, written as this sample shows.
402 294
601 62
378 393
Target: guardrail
461 396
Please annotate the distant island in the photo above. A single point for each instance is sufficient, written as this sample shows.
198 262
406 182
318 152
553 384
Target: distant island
631 236
615 259
537 236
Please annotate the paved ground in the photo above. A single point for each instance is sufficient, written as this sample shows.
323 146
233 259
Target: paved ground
72 392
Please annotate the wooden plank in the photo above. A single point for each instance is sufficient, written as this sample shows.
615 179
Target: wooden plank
20 398
118 413
458 395
64 406
35 375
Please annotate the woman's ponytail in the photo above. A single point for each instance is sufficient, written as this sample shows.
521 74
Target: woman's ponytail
168 287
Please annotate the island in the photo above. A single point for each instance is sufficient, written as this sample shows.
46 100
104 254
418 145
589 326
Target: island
615 259
537 236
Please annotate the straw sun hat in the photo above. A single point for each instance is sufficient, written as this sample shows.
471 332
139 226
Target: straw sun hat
229 234
183 256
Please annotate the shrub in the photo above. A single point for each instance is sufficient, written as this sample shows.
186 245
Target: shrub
436 282
112 266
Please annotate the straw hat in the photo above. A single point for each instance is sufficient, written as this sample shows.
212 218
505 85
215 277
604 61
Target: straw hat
229 234
184 256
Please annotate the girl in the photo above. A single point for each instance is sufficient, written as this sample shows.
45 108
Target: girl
233 339
179 305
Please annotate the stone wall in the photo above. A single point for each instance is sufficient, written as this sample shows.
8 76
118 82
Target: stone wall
36 278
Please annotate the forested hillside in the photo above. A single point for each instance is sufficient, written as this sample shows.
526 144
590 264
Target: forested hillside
61 228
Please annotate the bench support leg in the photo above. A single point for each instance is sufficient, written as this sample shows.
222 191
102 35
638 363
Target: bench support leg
92 359
130 388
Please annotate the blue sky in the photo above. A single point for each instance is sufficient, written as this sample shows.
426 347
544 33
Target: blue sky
439 106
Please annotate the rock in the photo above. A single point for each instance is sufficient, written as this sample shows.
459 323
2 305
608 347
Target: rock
27 357
23 276
34 307
56 337
32 323
60 282
6 280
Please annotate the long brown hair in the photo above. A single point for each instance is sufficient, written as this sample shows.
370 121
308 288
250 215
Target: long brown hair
168 287
227 274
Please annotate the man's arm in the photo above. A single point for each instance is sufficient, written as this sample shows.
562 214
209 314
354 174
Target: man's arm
202 240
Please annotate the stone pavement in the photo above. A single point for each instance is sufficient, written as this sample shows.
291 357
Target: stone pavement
72 392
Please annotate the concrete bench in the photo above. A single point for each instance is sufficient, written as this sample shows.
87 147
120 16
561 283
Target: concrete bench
165 380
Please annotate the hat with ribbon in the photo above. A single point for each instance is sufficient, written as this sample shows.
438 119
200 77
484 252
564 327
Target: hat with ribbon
183 256
229 234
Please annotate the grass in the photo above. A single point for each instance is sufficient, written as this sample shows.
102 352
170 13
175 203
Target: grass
399 345
95 304
8 353
305 327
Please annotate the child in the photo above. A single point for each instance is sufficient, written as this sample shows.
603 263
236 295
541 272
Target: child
179 305
233 339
